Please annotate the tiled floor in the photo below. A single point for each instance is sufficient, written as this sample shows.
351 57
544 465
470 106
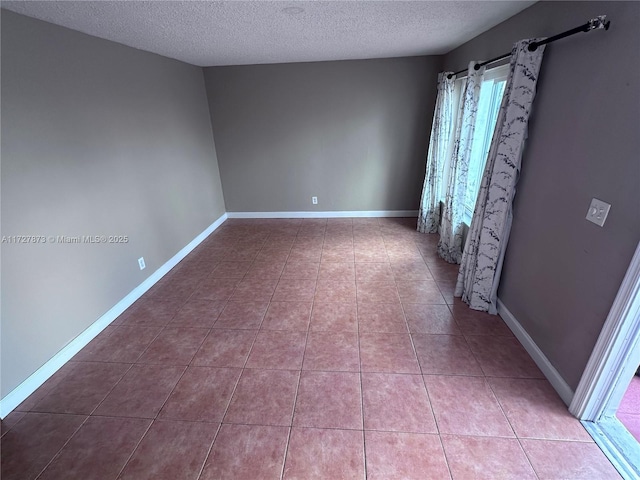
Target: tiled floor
301 349
629 410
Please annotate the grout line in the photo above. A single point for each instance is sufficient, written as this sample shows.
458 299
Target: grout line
57 454
206 457
362 413
295 397
133 451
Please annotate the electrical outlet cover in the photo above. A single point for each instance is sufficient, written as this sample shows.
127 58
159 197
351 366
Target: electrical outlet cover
598 211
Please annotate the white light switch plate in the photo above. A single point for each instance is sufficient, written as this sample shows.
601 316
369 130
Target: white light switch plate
598 211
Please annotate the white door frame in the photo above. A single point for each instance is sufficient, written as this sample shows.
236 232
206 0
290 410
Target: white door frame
611 367
615 356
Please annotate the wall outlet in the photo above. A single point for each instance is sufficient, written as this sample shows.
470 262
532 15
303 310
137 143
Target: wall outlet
141 263
598 211
314 200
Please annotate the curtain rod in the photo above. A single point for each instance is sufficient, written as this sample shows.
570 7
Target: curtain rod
595 23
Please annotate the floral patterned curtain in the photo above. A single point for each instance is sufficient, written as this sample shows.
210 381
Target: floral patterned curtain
481 265
450 244
429 215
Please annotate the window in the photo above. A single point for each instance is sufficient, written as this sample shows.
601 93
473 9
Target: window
491 92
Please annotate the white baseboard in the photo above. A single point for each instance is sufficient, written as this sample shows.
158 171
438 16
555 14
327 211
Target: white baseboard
36 379
543 363
331 214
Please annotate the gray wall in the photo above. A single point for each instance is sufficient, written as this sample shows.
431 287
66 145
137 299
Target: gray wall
352 133
97 138
561 272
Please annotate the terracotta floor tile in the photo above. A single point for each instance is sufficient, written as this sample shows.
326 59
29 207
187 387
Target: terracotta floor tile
503 357
151 311
201 395
335 291
434 319
267 268
400 256
394 402
328 400
10 420
225 348
486 458
264 397
535 410
245 452
174 346
278 254
411 271
281 349
332 351
174 288
334 317
294 316
125 344
319 454
301 270
142 392
445 354
197 313
83 389
466 406
239 254
447 290
48 386
255 289
404 456
381 318
171 450
311 231
216 289
377 292
374 272
295 344
310 236
443 271
339 254
231 269
305 254
98 450
553 459
473 322
32 442
370 255
242 315
339 271
420 291
292 290
387 352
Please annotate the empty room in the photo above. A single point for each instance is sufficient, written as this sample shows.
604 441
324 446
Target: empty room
320 240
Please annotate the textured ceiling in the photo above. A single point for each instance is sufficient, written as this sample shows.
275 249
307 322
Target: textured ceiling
252 32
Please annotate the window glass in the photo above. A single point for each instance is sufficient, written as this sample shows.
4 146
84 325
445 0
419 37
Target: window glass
491 92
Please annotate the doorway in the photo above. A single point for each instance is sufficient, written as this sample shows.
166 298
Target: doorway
609 372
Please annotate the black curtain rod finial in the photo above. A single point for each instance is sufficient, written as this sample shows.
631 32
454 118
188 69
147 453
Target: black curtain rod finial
599 22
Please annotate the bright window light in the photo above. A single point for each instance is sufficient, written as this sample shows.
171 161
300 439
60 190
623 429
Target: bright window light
491 92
